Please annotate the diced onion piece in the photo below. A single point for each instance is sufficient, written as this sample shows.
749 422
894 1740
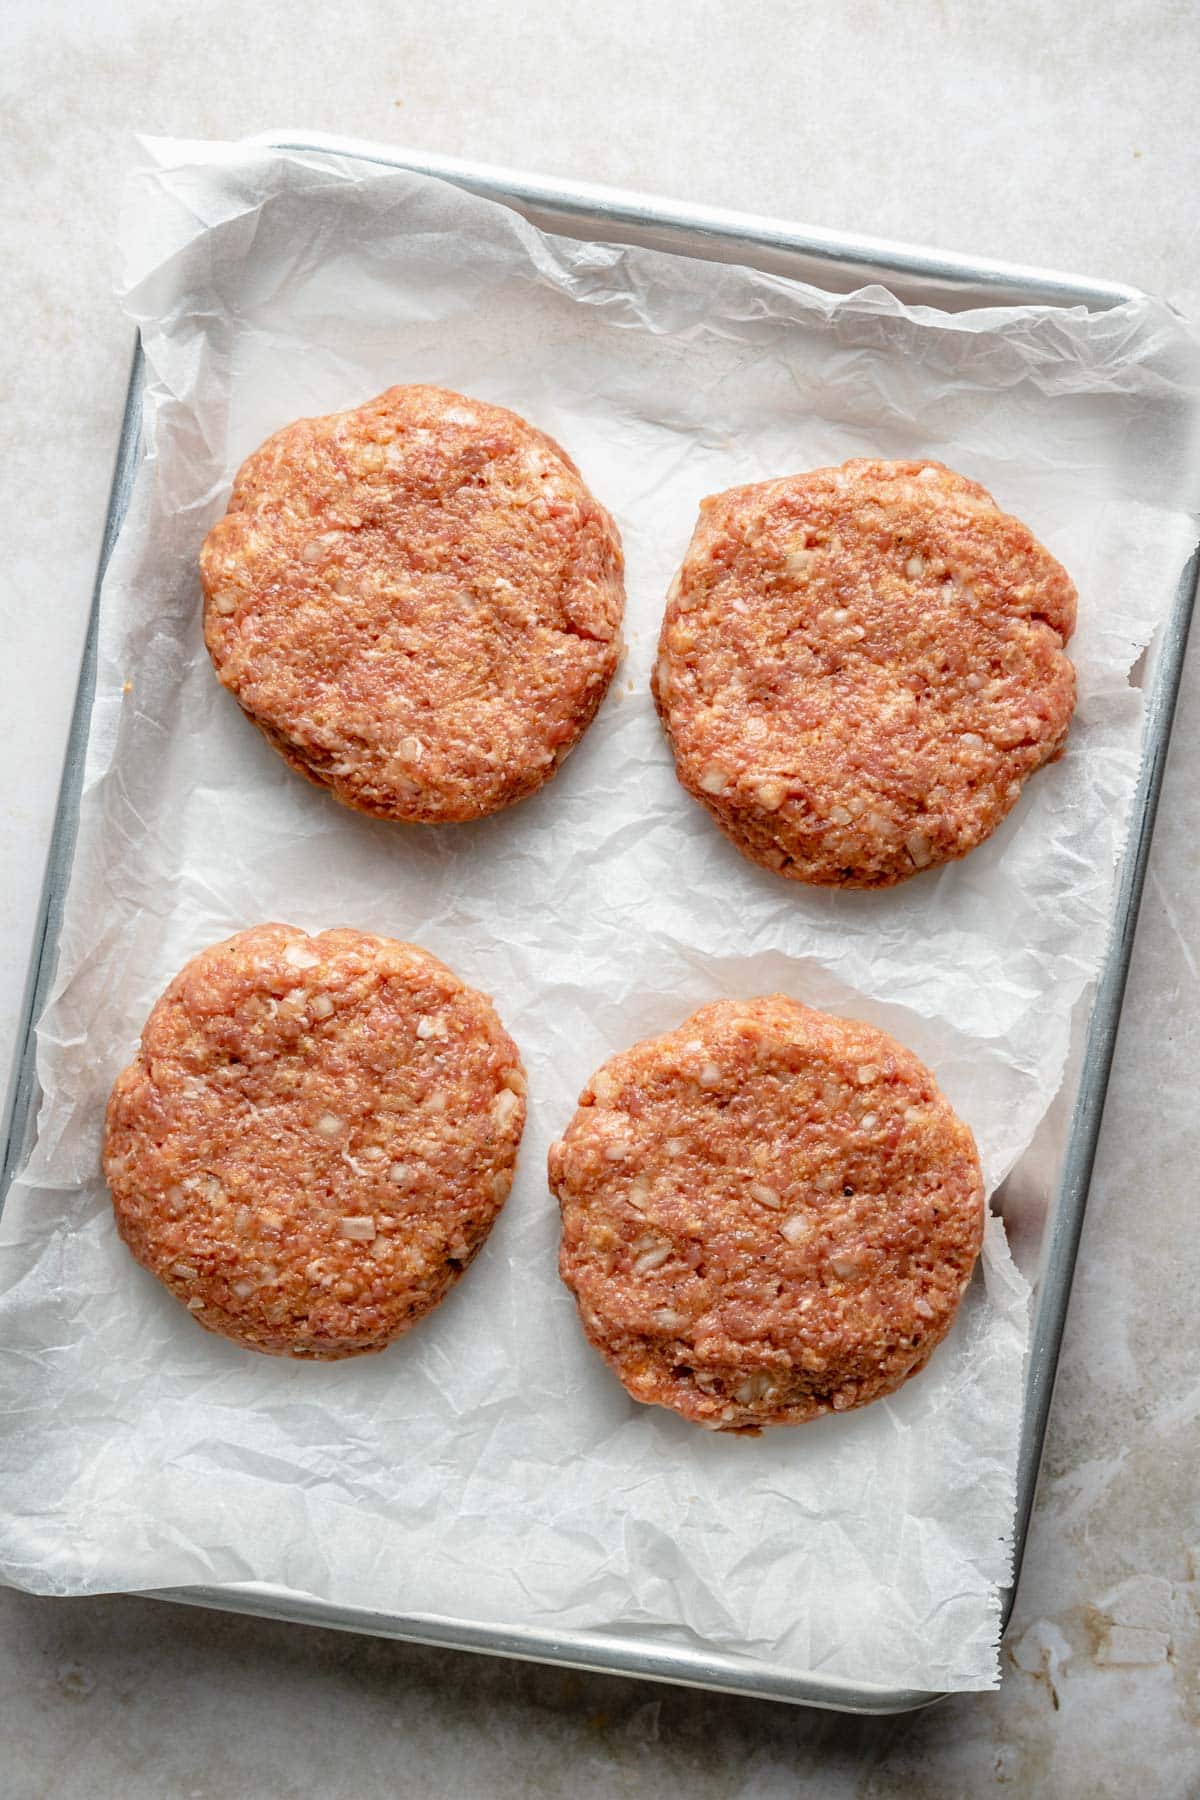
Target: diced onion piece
766 1196
504 1106
652 1258
360 1227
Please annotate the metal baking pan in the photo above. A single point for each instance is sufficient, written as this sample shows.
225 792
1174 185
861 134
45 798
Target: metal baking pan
1047 1189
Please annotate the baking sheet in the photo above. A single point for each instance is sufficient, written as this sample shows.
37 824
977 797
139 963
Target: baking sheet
490 1468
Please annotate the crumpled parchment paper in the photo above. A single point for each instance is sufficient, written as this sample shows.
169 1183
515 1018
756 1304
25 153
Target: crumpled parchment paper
489 1467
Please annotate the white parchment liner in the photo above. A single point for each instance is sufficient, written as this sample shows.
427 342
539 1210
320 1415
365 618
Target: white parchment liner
489 1467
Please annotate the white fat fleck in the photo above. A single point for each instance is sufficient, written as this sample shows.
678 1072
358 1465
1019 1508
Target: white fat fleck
431 1025
714 781
398 1173
329 1125
710 1075
299 956
321 1006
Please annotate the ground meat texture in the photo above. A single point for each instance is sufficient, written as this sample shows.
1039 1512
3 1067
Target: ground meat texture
859 667
314 1139
418 602
767 1215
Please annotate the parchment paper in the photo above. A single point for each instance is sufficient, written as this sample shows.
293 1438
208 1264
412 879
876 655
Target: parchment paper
489 1467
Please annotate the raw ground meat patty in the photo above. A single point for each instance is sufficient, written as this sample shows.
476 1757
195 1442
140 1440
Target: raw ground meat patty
314 1138
767 1214
859 667
418 602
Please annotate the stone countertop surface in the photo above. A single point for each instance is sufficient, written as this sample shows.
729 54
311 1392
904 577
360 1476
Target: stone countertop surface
1066 136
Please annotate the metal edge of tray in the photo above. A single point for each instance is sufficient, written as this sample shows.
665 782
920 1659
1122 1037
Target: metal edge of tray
43 959
695 231
594 1653
1065 1221
691 229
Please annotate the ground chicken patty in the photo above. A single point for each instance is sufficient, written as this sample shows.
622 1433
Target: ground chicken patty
314 1139
860 666
767 1214
418 602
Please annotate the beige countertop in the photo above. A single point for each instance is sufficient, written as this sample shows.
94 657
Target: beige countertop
1064 136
